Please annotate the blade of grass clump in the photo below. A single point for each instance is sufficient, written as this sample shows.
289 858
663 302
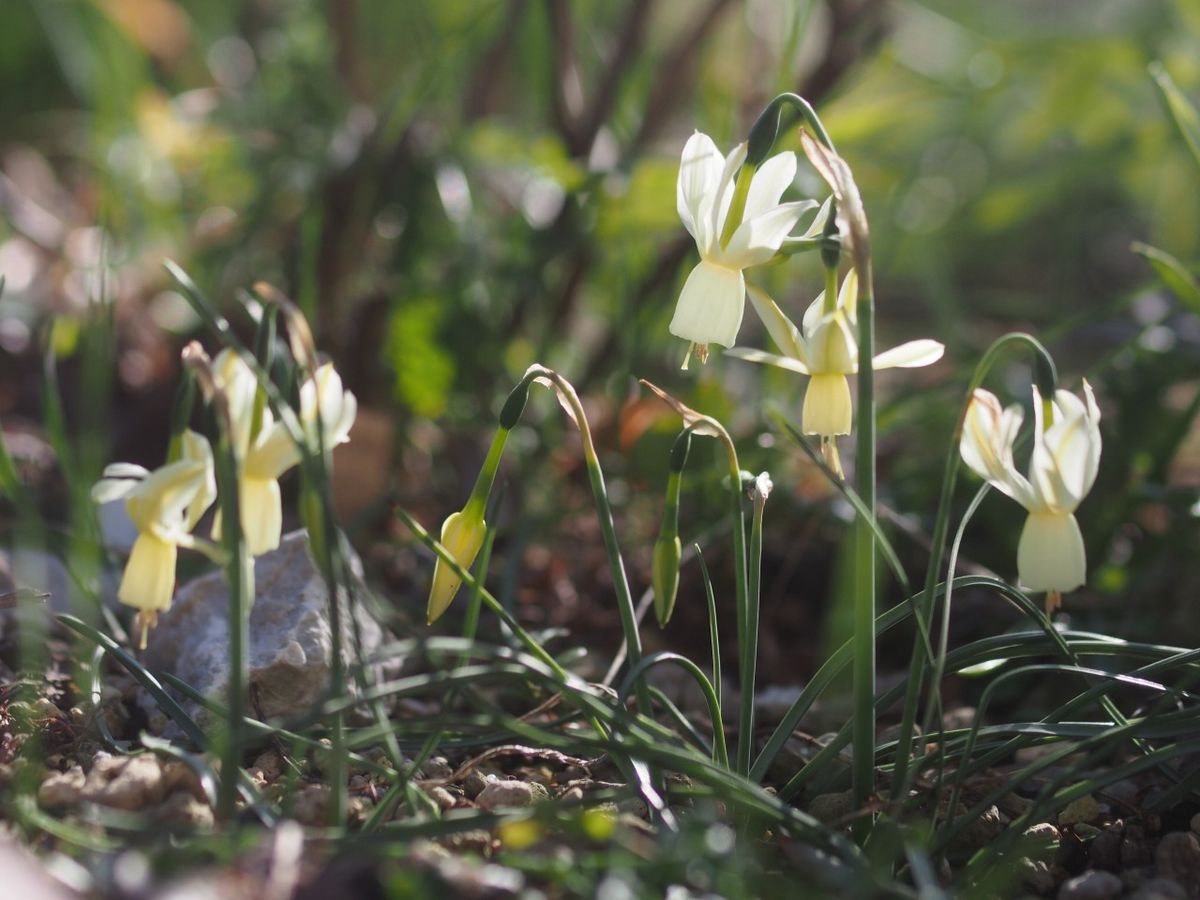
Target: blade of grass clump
1173 274
720 755
164 700
95 695
714 636
1179 109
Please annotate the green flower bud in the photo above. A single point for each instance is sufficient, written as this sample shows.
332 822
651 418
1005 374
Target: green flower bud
664 575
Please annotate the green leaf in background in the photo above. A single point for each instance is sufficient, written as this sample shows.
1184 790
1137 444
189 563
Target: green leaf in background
424 370
1173 273
1183 114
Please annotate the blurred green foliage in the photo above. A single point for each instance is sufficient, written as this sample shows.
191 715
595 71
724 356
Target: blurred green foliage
454 190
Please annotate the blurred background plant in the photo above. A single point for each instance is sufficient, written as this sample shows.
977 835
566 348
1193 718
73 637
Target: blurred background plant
452 191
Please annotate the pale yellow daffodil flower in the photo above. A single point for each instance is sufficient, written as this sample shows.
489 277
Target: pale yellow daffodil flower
825 348
1062 469
165 506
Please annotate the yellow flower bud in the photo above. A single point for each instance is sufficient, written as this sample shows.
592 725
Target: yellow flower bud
462 535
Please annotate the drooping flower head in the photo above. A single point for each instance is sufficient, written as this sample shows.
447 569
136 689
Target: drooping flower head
165 506
710 307
825 348
1062 469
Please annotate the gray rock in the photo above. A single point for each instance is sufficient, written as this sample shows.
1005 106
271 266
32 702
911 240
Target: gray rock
1091 886
290 644
510 793
1159 889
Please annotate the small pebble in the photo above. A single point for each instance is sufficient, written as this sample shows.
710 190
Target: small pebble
1195 823
1036 876
1091 886
1136 850
831 809
182 809
62 789
1083 810
125 782
1178 858
1105 850
442 797
474 783
311 805
510 793
438 767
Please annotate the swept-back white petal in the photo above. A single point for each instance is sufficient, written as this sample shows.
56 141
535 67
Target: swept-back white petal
1050 555
848 295
769 182
828 409
911 355
272 454
724 197
696 187
785 335
710 305
817 226
768 359
986 446
756 240
1065 457
197 449
109 489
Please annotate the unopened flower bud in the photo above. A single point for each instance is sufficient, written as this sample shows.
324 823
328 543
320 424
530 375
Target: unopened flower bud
462 535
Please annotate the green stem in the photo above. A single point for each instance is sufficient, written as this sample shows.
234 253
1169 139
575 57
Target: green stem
616 564
863 773
1045 369
750 643
239 572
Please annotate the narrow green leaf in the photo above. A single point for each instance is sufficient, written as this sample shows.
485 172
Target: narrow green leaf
1173 273
1183 114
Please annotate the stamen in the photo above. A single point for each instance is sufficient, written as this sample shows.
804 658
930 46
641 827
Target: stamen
829 452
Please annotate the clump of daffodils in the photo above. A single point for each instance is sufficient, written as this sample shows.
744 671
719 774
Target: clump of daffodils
734 215
164 506
1062 469
825 348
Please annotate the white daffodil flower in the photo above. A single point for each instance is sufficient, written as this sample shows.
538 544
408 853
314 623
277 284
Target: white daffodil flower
165 506
710 307
825 348
1062 469
269 452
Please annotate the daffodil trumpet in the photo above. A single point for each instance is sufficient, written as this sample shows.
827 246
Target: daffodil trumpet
1062 469
825 348
734 214
164 506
